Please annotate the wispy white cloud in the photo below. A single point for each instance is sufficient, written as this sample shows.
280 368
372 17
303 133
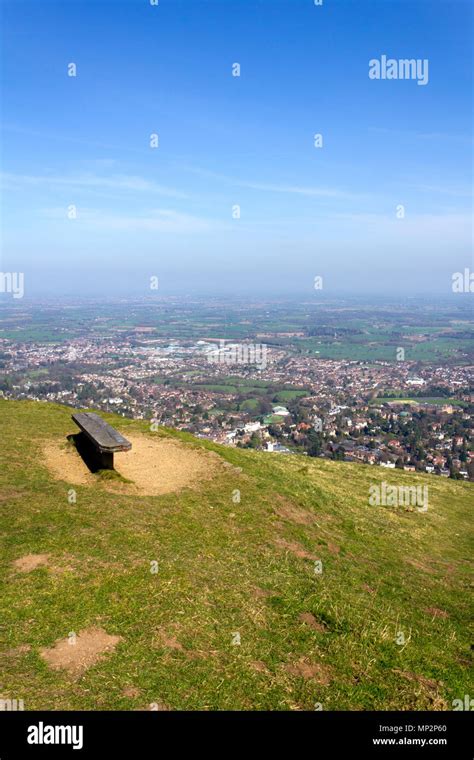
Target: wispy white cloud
116 182
272 187
316 192
413 229
439 136
158 220
68 137
457 192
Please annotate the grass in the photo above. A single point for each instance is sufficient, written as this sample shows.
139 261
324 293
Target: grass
273 418
225 567
289 395
249 405
434 400
378 350
112 475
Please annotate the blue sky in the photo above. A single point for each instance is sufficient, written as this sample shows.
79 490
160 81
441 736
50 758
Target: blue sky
226 141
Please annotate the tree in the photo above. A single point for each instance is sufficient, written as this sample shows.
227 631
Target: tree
254 442
315 443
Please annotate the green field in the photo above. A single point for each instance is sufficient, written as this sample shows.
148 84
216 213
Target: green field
249 405
275 418
228 567
289 395
36 335
436 400
429 351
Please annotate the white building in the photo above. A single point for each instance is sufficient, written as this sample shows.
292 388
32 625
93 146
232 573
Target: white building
281 411
252 427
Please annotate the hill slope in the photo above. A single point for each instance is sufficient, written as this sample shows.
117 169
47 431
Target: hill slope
383 626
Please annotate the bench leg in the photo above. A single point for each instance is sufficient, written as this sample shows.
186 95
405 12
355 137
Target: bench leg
106 461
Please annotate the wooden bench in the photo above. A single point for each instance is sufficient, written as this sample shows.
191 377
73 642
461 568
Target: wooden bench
104 438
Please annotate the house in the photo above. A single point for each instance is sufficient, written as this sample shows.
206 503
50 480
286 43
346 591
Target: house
280 411
277 448
447 408
303 426
252 427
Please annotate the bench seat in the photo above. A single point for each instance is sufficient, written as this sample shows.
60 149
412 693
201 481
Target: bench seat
105 439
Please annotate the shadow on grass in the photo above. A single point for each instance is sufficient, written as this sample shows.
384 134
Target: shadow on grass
86 451
91 458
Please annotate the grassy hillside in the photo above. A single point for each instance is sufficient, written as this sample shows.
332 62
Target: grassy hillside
227 568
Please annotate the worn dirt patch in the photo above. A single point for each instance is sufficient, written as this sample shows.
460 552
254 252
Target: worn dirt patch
259 666
309 619
307 669
261 593
165 639
428 683
169 642
154 465
292 513
131 691
30 562
428 687
90 647
18 651
10 494
297 549
436 612
420 565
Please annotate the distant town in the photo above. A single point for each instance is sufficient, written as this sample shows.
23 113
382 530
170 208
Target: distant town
278 386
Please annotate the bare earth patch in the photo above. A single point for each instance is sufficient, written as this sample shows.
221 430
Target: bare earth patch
169 642
294 514
18 651
427 683
91 644
166 637
297 549
436 612
309 619
428 687
131 691
30 562
420 565
10 494
306 669
261 593
259 666
154 465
